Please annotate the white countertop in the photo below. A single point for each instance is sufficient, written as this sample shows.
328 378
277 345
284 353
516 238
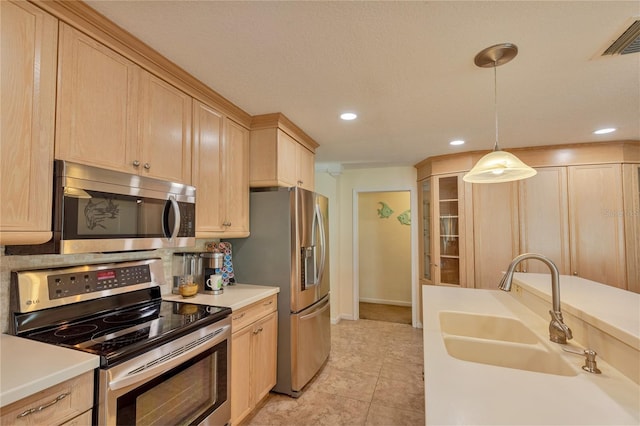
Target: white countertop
612 310
234 296
462 392
27 366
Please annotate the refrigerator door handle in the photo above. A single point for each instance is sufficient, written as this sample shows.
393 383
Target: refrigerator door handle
323 241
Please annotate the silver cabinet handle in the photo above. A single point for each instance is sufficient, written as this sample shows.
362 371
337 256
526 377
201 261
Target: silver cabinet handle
43 406
258 330
268 303
136 163
147 166
239 316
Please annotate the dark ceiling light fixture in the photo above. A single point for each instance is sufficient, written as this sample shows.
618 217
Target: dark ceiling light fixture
497 166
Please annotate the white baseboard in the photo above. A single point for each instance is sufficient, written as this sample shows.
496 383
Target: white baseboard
385 302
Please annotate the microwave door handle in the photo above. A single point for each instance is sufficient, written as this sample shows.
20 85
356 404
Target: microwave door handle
172 204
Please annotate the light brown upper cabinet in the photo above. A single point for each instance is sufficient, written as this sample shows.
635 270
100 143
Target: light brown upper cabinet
544 219
281 153
113 114
631 187
597 223
220 174
28 90
164 151
495 231
582 210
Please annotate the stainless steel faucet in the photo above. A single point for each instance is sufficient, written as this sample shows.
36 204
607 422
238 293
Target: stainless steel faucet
559 332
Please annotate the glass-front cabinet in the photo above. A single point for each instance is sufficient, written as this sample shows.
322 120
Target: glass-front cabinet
442 230
447 212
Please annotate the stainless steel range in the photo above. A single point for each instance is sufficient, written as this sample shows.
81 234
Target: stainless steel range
161 362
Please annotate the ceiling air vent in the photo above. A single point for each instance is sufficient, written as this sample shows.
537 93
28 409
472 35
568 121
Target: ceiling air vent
628 42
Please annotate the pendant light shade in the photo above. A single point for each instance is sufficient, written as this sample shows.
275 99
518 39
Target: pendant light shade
497 166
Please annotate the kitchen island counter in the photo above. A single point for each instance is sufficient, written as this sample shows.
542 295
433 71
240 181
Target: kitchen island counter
465 392
28 366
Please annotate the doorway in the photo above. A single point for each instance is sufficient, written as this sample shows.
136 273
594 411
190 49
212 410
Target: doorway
384 256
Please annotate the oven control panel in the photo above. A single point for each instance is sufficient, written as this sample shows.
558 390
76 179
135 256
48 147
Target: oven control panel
83 282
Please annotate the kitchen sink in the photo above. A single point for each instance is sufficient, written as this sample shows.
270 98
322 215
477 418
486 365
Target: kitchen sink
486 327
536 358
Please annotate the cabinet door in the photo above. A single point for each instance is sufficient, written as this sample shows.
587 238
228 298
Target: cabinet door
596 217
495 219
544 215
240 374
631 186
265 356
165 150
97 104
207 168
287 156
235 173
305 161
446 249
28 90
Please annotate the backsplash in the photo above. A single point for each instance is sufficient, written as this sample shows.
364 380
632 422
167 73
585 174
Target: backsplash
16 263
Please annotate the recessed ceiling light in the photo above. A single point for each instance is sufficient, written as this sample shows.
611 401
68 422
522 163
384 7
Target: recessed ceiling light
348 116
457 142
605 131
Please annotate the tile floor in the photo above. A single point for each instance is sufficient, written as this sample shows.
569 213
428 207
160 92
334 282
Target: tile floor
373 377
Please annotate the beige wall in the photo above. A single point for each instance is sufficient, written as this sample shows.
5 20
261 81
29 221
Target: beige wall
384 249
344 188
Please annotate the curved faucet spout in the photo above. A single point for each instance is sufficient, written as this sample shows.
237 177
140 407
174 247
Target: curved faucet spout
559 332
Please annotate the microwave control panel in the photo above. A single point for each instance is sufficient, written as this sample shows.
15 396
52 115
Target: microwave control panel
76 283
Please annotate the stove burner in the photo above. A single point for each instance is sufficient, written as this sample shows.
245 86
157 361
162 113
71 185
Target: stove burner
120 341
75 330
129 316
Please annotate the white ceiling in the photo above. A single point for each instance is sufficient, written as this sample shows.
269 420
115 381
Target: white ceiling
406 68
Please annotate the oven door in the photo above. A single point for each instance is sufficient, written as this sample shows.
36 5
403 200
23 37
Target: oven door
183 382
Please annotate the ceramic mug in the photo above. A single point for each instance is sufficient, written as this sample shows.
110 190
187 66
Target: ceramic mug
214 282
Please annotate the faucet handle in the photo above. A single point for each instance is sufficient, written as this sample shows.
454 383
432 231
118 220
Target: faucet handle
559 332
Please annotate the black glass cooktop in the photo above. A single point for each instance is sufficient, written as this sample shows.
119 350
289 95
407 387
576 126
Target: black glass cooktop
118 334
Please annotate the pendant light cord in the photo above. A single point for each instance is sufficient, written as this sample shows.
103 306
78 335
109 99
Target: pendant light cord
496 147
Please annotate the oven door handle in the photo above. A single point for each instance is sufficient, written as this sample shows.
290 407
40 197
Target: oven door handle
166 361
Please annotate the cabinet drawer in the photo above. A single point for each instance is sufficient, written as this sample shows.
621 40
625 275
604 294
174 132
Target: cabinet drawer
52 406
249 314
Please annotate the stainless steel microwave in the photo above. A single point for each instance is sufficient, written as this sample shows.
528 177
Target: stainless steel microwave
97 211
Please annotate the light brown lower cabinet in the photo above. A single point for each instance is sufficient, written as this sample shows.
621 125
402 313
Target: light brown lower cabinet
254 343
67 403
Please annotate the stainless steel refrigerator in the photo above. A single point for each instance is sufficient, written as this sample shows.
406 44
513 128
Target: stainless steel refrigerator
289 248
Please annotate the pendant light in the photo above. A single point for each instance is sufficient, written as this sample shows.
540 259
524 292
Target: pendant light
497 166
